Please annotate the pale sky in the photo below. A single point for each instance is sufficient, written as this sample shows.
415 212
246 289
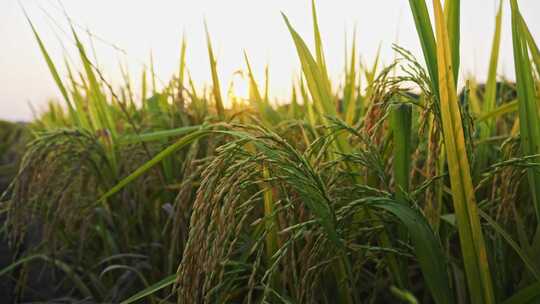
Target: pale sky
139 27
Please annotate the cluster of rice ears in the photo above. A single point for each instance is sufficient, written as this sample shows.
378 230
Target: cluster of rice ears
387 186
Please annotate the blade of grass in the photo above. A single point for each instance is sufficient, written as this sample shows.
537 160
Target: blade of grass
533 47
168 281
156 135
427 249
184 141
427 39
491 84
267 85
529 264
349 98
404 295
294 108
308 104
470 231
528 108
270 222
400 121
153 74
216 88
527 295
182 68
314 76
317 82
452 14
319 53
82 119
144 86
52 69
490 95
506 108
255 94
104 118
254 87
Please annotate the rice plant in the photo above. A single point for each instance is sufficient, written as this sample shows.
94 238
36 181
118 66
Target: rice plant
391 185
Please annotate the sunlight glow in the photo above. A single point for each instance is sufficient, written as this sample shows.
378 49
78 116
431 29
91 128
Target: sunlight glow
126 31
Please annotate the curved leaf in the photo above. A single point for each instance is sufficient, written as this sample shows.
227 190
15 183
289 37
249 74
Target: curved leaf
427 249
151 289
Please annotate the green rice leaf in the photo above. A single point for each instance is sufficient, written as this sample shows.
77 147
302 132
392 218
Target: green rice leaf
491 85
401 121
527 100
427 249
452 14
184 141
528 295
427 39
533 47
470 231
506 108
523 255
52 68
216 88
168 281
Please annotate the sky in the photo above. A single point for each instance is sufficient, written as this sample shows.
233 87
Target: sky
128 31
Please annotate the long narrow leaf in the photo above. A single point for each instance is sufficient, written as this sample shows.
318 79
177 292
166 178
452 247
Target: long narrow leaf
528 295
533 47
52 68
523 255
401 120
319 53
528 109
491 84
490 95
470 231
452 14
216 89
427 39
168 281
427 249
184 141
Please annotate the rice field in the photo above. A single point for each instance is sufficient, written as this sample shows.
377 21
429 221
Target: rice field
393 185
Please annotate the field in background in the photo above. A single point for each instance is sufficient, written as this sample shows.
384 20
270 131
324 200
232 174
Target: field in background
388 186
